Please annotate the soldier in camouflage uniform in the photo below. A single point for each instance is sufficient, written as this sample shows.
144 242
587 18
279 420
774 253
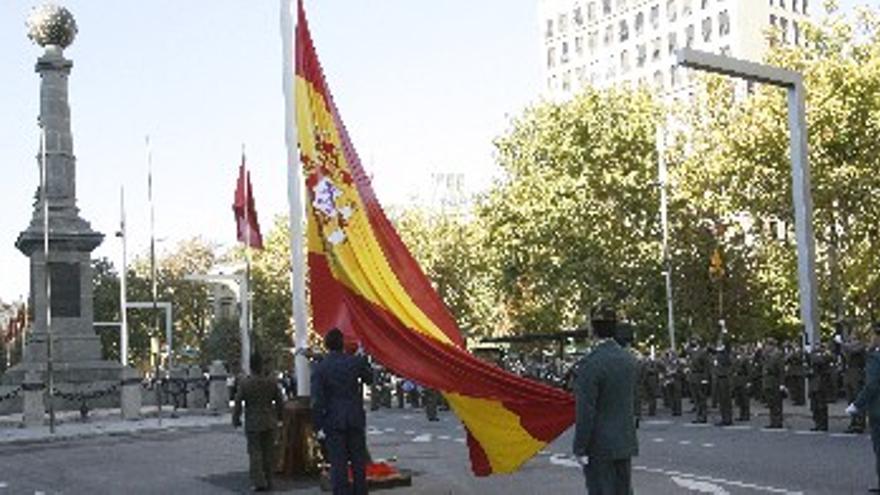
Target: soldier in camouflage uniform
854 355
742 373
773 375
820 361
699 380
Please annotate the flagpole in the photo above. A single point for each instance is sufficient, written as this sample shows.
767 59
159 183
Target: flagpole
246 285
123 282
44 168
295 203
157 381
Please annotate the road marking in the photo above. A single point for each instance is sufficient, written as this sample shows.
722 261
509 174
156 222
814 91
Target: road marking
708 445
423 438
4 484
699 486
459 440
389 430
774 430
373 431
443 437
658 440
409 432
843 435
720 481
407 416
807 432
696 425
657 422
737 427
564 461
684 442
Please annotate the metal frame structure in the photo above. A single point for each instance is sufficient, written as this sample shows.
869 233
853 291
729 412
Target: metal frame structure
793 83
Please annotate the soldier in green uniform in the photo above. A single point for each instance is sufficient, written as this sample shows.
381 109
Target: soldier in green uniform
796 374
742 372
854 357
672 381
432 399
262 412
605 435
699 380
868 399
820 386
772 384
651 383
723 374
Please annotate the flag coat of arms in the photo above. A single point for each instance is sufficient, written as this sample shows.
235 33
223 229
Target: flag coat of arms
365 282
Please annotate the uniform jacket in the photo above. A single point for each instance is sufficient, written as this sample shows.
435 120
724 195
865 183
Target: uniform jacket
262 403
604 388
337 396
869 397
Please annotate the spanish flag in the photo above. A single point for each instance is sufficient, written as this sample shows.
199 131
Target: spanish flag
365 282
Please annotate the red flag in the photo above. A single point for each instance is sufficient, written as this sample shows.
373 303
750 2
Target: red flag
248 226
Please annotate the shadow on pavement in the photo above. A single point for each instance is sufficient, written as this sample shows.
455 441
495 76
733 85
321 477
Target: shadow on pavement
239 482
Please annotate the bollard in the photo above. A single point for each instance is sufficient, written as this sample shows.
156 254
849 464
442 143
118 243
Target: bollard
219 392
195 395
34 407
130 398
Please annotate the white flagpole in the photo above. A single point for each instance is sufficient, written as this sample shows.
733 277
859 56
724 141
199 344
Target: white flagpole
123 282
295 203
154 288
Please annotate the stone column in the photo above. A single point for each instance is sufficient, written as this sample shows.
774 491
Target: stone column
130 397
219 392
195 396
33 404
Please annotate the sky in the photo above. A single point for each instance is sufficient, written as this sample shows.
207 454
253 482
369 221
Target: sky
423 87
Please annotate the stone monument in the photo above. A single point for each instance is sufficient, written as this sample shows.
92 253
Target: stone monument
76 348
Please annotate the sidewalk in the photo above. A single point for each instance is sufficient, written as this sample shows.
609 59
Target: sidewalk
69 426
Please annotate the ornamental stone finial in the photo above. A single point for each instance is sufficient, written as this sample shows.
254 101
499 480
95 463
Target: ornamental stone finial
51 25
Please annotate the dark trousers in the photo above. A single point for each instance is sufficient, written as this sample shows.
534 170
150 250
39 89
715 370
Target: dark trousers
344 447
774 403
742 402
609 477
819 406
725 401
875 441
261 451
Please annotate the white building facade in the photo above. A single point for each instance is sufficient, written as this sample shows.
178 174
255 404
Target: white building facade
626 43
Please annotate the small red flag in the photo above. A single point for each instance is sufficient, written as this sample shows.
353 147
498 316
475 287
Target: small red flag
246 222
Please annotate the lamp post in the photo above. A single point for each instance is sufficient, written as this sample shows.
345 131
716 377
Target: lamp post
793 83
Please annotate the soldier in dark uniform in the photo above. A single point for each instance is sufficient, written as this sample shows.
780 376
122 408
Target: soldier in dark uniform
868 399
723 374
699 380
773 376
742 373
854 356
262 412
673 382
820 361
376 388
796 373
431 398
399 393
651 383
605 435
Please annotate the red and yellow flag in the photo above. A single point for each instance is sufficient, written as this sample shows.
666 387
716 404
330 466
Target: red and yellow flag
365 282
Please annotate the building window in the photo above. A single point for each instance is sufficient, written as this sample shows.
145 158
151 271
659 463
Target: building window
606 7
707 29
723 23
656 45
624 31
580 73
624 62
673 42
773 20
671 13
796 32
704 4
781 4
609 35
794 6
640 23
564 58
673 76
578 16
611 71
551 57
592 41
783 26
804 7
658 79
685 8
725 50
689 36
655 16
771 3
549 28
591 11
641 55
566 81
621 5
563 23
579 46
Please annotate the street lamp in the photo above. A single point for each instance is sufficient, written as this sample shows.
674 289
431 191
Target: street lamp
793 83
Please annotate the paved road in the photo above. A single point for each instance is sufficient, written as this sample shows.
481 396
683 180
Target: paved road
676 458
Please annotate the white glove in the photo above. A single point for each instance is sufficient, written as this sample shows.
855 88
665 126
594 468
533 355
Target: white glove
852 410
583 460
320 434
838 339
